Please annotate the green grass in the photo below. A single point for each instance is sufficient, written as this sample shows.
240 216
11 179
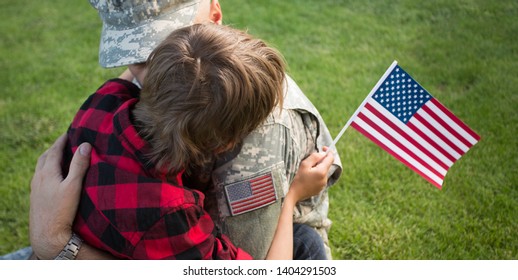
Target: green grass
464 52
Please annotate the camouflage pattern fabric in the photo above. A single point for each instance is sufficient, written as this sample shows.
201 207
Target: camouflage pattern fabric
133 28
278 147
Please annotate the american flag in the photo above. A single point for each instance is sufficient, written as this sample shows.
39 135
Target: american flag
405 120
251 194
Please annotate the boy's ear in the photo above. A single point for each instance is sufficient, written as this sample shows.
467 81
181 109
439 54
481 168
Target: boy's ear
215 13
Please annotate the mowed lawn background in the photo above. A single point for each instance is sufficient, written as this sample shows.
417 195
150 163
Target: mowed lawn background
465 53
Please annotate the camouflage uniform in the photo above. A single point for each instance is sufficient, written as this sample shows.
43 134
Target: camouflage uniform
276 148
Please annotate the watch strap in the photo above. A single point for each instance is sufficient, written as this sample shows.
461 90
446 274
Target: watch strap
70 250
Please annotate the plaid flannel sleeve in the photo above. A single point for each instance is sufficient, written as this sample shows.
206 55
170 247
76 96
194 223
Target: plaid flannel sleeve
186 233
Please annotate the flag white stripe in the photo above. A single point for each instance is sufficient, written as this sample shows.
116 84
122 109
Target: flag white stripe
443 130
434 137
452 123
403 141
398 151
411 133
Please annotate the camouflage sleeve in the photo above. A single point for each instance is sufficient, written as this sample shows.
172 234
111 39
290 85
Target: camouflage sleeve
250 221
271 154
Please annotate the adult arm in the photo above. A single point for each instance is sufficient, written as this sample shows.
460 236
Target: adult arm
54 202
54 199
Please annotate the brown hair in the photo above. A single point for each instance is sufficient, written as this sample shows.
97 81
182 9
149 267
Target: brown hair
207 87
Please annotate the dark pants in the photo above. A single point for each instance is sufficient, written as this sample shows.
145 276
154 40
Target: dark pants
307 244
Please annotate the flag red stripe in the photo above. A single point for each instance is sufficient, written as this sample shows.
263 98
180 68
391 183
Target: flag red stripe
431 142
255 196
240 209
460 123
446 126
398 144
257 191
253 201
438 133
375 140
410 139
264 177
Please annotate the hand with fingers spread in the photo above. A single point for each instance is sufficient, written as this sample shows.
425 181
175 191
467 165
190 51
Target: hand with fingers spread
51 223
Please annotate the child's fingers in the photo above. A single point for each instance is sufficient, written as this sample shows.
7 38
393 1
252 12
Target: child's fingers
313 159
320 161
325 162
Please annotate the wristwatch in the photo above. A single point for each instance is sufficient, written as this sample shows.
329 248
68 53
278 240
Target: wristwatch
70 250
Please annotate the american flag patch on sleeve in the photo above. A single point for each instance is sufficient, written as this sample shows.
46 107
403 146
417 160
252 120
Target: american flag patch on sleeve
251 194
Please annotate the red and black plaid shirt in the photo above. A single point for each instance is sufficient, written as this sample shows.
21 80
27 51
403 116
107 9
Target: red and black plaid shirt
124 208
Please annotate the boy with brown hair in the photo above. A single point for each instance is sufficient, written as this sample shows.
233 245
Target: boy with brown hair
206 88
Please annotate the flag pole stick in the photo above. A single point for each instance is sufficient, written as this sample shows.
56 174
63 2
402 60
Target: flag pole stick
374 89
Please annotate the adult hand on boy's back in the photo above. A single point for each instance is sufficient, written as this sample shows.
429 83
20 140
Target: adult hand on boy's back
50 224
